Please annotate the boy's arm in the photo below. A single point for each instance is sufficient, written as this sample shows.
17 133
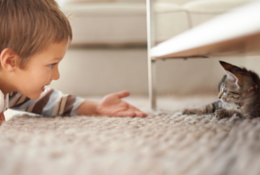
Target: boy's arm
50 103
54 103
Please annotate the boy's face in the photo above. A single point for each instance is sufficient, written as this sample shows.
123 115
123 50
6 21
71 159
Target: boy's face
41 69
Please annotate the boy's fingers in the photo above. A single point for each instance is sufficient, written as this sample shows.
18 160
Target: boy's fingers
123 94
130 114
126 114
140 114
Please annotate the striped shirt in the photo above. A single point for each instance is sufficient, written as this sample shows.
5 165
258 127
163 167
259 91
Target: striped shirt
50 103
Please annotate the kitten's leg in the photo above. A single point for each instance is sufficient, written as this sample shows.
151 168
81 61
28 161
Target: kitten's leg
225 113
204 110
238 114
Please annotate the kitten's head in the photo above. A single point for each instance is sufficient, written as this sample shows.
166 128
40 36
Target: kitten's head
237 83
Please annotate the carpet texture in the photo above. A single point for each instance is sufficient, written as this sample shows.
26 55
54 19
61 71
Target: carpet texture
161 144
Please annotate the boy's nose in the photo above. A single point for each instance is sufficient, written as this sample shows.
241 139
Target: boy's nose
56 75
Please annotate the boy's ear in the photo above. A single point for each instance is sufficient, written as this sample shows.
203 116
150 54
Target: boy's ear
9 59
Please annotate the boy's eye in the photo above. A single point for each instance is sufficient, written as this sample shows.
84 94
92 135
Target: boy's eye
51 65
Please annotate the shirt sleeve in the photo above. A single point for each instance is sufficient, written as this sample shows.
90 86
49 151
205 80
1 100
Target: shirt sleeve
50 103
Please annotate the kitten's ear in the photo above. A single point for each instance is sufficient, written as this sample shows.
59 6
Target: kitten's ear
232 77
233 72
230 67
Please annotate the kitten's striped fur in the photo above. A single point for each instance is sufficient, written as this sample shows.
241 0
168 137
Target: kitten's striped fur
238 95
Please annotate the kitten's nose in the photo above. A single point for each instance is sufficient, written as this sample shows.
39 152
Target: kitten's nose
220 95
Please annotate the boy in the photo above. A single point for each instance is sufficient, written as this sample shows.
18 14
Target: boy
34 37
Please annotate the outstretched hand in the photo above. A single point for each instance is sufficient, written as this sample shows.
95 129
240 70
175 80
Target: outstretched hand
112 105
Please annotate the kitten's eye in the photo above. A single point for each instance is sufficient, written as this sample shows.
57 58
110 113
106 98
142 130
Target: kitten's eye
234 93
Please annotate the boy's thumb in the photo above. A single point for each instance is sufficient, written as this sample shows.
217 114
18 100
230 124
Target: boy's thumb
123 94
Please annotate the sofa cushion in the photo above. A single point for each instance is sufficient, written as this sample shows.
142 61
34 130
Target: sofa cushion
204 10
178 2
128 1
107 23
96 1
88 1
122 23
213 6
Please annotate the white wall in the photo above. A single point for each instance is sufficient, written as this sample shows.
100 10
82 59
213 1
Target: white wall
100 71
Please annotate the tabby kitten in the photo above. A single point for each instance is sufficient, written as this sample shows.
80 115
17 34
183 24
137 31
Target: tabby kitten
239 95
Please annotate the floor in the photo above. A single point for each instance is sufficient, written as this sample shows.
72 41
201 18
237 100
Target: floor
160 144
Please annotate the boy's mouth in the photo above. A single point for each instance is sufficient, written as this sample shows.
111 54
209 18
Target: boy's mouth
43 88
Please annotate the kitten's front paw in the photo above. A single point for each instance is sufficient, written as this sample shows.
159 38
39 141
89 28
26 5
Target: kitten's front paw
189 111
185 111
237 114
219 114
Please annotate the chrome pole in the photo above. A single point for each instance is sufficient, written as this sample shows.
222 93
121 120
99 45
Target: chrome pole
151 62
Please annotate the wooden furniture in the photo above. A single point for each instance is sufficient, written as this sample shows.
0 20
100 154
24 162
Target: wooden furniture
234 33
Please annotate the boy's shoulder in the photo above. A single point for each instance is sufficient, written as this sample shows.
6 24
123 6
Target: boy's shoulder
3 102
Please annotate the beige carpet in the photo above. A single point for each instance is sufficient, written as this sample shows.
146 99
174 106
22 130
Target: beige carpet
166 144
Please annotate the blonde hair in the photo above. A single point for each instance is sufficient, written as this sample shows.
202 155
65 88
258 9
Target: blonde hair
29 26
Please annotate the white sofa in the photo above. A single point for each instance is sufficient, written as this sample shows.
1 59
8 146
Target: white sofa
123 22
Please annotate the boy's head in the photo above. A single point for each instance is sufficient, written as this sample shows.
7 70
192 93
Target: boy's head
29 26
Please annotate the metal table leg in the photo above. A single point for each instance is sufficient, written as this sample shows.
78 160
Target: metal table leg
151 61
